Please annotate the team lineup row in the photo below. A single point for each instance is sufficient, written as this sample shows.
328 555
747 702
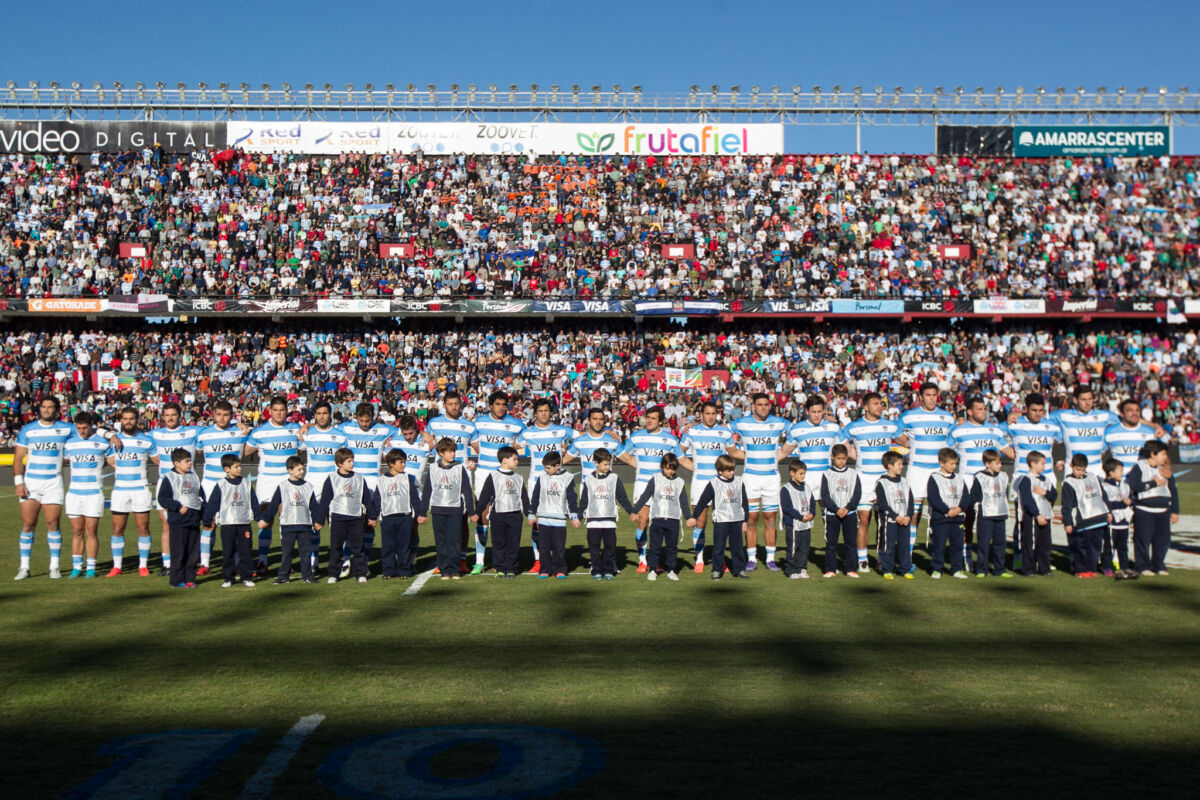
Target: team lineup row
759 439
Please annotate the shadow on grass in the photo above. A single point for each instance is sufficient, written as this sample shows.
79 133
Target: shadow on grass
696 753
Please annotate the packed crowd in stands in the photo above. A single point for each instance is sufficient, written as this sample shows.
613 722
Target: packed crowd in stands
619 368
593 227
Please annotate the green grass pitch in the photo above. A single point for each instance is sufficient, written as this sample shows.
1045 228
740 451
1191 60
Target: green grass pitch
766 687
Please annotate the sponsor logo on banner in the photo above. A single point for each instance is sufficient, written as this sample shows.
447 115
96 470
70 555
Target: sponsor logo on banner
1091 140
66 305
692 378
60 136
485 138
420 305
1148 306
279 305
578 306
867 306
499 306
1009 305
1191 306
666 307
796 306
1080 305
354 305
207 304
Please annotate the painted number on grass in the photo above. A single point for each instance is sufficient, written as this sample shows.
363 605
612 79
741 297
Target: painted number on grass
169 764
462 762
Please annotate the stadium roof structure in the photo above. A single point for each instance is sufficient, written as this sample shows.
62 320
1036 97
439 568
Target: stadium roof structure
796 105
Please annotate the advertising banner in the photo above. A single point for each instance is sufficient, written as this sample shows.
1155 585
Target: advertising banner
67 305
133 250
397 250
684 378
1143 306
797 306
99 136
938 306
679 251
677 307
1191 306
1081 306
282 136
1009 305
582 306
867 306
354 305
498 306
207 305
280 305
427 306
954 252
1091 140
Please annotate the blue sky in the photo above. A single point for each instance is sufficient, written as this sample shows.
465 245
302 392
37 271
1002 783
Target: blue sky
664 46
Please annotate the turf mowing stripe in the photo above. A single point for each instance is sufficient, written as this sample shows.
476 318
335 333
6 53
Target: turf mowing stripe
418 583
263 781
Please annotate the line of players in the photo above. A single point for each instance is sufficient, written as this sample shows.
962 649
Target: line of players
759 439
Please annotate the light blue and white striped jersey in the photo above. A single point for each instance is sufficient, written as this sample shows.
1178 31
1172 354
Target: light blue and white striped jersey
970 440
927 432
649 448
813 443
320 445
44 443
492 434
215 442
461 431
704 445
760 439
167 439
417 457
585 445
1084 433
1125 444
871 439
539 441
130 461
86 457
275 444
367 445
1032 437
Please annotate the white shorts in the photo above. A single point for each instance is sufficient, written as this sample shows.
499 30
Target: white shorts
813 481
208 484
265 486
696 489
481 476
639 486
370 479
317 482
47 491
867 499
130 501
918 481
85 505
762 489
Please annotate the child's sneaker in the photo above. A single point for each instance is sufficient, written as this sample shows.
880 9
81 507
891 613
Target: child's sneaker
961 575
562 576
279 581
608 576
935 575
1006 574
795 576
653 576
671 576
804 574
829 575
362 578
249 584
716 576
332 579
597 577
851 574
908 576
226 584
889 577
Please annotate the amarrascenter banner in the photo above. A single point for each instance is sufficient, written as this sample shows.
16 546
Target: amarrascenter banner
1091 140
612 139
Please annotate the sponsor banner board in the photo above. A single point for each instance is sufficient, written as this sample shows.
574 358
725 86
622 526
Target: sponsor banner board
1091 140
1009 305
677 307
867 306
954 252
354 305
582 306
280 305
100 136
207 305
307 136
67 305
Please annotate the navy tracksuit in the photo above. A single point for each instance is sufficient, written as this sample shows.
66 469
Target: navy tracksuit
946 492
894 499
845 528
1035 538
1153 506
